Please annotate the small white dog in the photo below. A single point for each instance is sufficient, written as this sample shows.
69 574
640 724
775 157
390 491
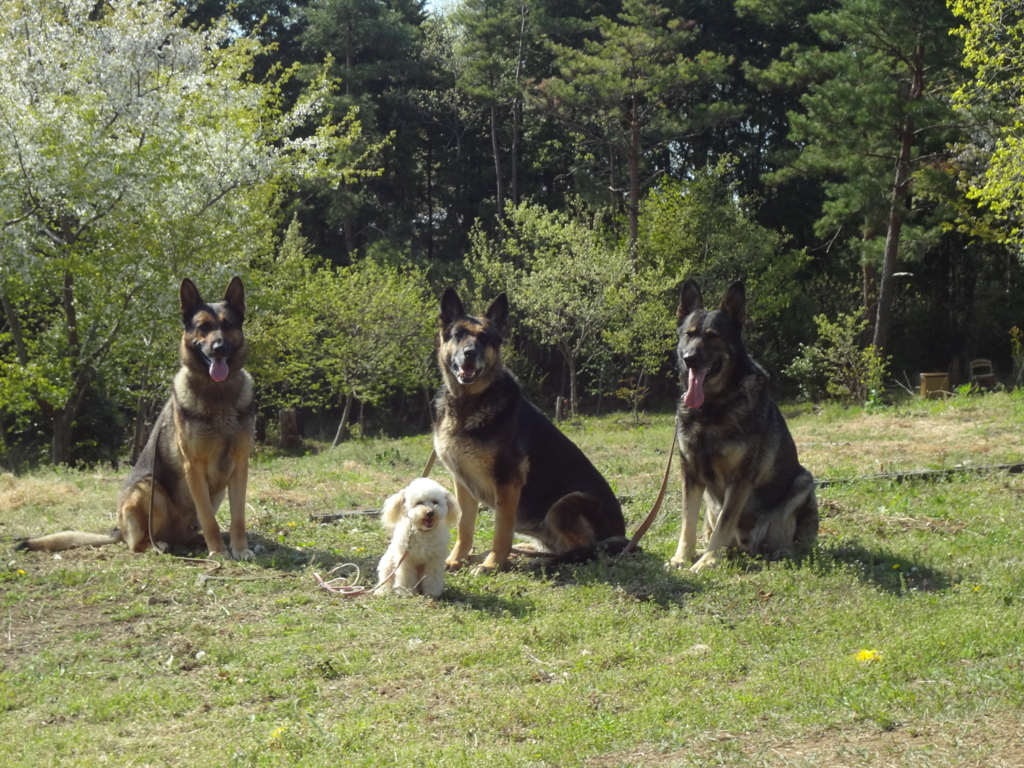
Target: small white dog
421 516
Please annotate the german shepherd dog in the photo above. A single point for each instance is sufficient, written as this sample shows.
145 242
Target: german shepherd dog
737 452
199 447
502 451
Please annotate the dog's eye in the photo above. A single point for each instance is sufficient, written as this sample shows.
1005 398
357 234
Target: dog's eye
225 325
205 326
710 334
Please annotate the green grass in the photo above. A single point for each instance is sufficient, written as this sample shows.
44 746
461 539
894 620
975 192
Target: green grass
108 658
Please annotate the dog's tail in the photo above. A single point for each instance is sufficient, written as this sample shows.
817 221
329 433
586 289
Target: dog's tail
58 542
583 553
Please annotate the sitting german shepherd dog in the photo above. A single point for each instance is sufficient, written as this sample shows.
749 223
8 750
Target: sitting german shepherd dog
503 452
199 447
737 452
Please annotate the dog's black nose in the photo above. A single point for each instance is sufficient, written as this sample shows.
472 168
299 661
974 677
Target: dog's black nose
469 353
691 361
218 346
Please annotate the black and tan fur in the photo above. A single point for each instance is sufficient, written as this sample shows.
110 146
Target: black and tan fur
503 452
199 447
737 452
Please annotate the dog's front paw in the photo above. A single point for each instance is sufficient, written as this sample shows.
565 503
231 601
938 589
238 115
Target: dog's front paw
707 560
674 564
453 565
220 554
245 554
490 565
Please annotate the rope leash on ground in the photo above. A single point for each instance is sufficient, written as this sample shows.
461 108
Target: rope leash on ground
347 587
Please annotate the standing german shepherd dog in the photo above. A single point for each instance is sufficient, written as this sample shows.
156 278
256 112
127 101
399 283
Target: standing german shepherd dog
199 447
737 452
503 452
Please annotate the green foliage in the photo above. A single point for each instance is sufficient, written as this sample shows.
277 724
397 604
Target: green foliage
872 113
837 365
137 151
993 96
320 333
632 89
704 229
563 275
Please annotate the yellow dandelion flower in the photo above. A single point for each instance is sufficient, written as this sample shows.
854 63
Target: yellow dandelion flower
866 656
278 733
896 566
21 572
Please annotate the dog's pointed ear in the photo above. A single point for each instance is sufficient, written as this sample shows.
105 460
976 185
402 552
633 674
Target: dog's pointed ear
190 298
690 299
454 510
451 308
234 296
497 313
393 511
734 303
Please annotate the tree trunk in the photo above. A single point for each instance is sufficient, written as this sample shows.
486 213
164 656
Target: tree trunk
60 447
140 434
430 203
15 325
517 108
288 419
5 448
870 275
634 183
344 418
499 190
574 396
892 242
347 225
516 119
897 212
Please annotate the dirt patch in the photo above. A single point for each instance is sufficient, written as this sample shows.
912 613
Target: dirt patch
997 741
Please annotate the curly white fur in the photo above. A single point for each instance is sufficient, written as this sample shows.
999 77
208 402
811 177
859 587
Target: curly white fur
421 516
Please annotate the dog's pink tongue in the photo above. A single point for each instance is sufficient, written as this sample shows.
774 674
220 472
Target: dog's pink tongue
219 369
694 389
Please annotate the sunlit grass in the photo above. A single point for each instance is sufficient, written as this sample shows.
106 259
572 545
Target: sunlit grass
897 640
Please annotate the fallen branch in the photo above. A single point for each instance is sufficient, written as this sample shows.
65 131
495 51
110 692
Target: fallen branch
333 516
924 474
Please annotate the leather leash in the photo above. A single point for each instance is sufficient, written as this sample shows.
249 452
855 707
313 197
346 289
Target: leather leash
430 463
657 502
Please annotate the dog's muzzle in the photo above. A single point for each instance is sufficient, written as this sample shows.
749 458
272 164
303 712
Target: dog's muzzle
465 365
427 520
215 355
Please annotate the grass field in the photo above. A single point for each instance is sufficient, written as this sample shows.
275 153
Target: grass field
899 642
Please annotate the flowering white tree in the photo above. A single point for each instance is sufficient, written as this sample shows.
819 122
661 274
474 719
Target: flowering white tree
135 152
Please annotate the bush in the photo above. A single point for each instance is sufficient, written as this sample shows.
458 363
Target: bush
837 366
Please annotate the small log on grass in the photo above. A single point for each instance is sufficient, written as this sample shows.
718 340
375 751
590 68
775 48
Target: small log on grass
925 474
334 516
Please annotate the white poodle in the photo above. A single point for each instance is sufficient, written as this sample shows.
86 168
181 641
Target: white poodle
421 516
